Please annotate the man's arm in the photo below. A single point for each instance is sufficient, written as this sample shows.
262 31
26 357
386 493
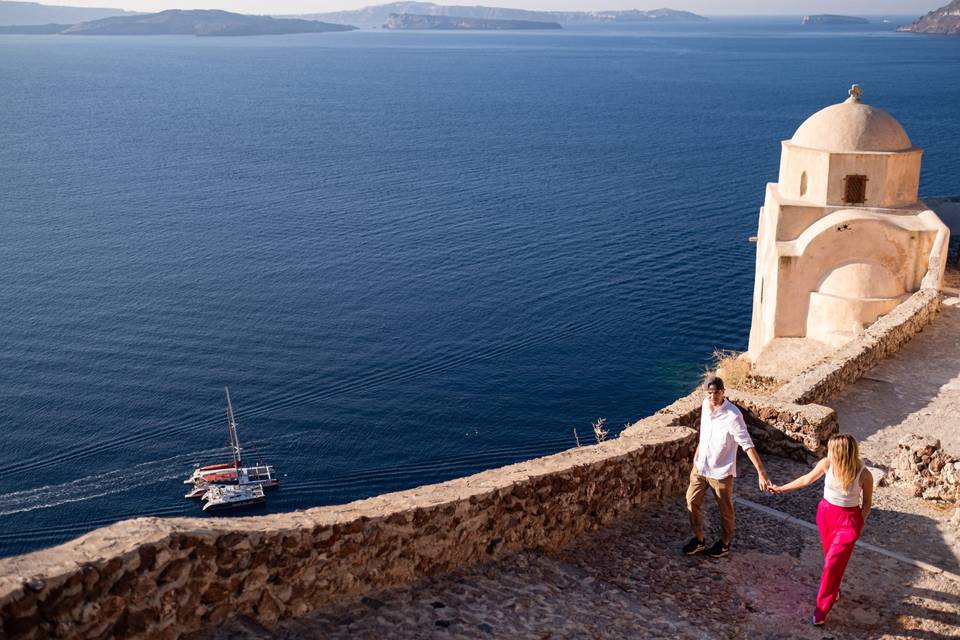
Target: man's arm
764 481
742 437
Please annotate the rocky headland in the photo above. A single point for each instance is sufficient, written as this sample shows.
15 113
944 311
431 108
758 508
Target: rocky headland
942 21
401 21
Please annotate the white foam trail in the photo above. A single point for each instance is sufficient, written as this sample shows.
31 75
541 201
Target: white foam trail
101 484
111 482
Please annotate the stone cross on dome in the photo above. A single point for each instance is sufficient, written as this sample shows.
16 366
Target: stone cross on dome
855 93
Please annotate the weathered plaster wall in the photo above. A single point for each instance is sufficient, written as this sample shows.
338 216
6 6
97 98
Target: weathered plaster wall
825 380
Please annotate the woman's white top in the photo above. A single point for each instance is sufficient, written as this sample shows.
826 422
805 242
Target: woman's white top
834 494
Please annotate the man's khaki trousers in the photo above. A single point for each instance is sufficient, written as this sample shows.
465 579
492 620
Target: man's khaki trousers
723 490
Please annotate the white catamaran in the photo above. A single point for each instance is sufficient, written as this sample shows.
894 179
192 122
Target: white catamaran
221 496
231 484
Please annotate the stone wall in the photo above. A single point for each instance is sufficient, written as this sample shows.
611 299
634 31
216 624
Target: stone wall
822 382
933 473
166 577
781 428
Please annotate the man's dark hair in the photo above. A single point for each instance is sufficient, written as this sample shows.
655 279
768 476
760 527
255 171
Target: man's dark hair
714 381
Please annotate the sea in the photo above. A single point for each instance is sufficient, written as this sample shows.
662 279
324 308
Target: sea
411 256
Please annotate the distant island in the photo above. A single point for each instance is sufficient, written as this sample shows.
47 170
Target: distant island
826 18
178 22
399 21
943 21
34 29
376 16
31 13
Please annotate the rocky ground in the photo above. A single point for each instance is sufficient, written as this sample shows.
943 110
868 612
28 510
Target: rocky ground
631 581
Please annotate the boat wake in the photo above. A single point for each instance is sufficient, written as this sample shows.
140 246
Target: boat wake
99 485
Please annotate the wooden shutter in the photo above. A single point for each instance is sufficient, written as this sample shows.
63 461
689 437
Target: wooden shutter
855 189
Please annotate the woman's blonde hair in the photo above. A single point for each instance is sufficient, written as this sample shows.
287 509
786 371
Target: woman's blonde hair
844 455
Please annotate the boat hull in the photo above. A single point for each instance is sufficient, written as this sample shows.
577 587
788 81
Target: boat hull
226 506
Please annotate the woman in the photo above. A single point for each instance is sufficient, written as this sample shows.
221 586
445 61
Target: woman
847 496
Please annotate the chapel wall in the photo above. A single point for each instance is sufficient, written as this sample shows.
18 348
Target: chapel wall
794 163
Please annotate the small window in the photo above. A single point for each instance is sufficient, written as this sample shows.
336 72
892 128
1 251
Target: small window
855 189
803 184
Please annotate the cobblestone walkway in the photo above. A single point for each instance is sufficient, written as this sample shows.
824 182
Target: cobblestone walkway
917 390
630 581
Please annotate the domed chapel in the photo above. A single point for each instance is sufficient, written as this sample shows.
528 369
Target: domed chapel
842 236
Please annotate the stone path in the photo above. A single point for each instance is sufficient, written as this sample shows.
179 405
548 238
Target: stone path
630 581
917 390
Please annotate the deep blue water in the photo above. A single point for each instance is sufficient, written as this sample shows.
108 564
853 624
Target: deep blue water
412 256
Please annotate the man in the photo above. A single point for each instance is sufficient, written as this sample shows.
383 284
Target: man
715 466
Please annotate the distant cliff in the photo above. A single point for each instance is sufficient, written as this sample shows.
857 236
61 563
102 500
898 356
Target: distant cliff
31 13
413 21
376 16
944 21
199 23
827 18
34 29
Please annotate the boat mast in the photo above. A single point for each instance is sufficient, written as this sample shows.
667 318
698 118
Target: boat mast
234 441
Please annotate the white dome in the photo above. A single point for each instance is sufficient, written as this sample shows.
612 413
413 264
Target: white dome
852 126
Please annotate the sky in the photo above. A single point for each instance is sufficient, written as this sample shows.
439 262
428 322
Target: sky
704 7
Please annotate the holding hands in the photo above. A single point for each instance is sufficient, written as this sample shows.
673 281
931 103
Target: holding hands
764 481
767 486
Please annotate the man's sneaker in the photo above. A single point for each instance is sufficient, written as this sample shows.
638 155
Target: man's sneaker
717 550
693 547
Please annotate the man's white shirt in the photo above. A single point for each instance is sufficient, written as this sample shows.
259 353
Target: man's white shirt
721 431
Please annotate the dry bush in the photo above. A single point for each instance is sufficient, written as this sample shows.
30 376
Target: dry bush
734 370
737 373
598 431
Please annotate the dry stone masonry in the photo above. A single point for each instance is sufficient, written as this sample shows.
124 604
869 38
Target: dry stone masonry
933 473
163 578
781 428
